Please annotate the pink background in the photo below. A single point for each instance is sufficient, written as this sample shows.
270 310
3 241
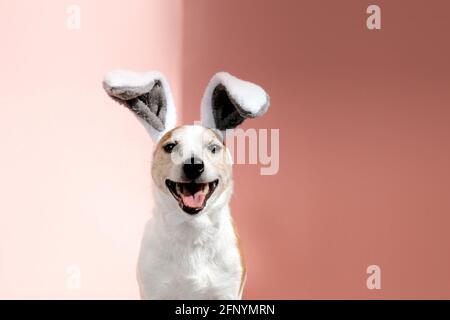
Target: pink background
364 152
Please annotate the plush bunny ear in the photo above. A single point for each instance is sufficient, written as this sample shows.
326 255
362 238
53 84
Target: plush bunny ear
147 95
228 101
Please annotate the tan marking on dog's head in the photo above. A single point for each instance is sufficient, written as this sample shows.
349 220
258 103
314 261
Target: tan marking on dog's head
164 138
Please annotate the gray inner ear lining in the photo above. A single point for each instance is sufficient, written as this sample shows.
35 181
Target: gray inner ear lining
142 111
150 106
127 93
227 112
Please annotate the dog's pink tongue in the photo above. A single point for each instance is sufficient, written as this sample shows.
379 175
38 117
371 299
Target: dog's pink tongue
194 201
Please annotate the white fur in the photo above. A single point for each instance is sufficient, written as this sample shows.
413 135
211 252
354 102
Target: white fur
184 257
128 78
248 95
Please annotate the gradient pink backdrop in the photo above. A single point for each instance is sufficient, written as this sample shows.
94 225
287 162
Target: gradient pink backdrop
364 124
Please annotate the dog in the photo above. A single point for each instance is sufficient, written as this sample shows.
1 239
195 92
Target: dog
190 248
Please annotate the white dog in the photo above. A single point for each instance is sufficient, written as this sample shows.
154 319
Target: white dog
190 248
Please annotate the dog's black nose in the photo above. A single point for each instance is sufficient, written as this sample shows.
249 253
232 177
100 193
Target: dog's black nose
193 168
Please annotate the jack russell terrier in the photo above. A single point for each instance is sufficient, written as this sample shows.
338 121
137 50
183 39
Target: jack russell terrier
190 248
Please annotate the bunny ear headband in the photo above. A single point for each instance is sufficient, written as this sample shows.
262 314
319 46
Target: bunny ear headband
226 103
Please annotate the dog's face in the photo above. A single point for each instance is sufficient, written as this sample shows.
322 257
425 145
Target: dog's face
193 166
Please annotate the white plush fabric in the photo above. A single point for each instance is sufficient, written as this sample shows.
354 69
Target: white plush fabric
249 96
134 84
128 78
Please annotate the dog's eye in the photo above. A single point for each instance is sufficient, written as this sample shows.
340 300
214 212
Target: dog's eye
169 147
214 148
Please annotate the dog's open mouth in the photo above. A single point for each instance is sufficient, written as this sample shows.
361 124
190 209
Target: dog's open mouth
191 196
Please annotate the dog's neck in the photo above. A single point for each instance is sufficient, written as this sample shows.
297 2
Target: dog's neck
174 224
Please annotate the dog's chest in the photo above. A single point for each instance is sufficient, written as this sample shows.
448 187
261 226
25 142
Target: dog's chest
207 268
200 274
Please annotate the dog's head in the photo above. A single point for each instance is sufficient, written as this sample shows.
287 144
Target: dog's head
191 166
